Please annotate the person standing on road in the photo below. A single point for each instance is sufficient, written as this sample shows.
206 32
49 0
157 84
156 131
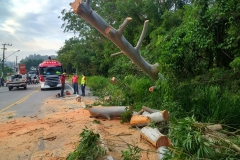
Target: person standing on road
2 82
62 81
75 83
83 84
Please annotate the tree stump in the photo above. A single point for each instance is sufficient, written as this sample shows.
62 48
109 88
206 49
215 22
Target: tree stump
154 136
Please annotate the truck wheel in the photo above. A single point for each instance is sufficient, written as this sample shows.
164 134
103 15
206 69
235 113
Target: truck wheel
10 88
25 87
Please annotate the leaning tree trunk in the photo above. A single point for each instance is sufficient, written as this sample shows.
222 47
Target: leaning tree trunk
84 10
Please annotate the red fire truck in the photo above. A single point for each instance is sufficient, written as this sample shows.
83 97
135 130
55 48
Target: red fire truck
49 74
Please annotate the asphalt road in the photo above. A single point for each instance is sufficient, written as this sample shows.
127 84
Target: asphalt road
25 102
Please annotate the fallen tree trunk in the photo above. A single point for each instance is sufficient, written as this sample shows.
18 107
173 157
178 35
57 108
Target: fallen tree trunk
84 10
154 136
107 112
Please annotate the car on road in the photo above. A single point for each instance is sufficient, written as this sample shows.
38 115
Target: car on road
17 80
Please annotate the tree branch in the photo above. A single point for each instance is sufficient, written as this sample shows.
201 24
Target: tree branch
123 26
144 31
116 54
85 12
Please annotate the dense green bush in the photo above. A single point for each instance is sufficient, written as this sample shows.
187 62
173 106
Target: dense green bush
97 83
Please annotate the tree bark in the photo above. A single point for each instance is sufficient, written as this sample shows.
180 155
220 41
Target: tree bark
84 10
107 112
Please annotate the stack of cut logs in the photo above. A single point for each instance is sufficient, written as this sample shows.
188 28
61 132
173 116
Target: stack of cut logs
140 119
152 135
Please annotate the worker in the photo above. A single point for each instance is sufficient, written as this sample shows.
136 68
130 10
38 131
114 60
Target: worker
75 83
62 80
83 84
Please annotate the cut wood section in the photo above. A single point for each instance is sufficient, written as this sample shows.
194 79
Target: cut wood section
113 80
139 120
215 127
107 112
159 116
154 136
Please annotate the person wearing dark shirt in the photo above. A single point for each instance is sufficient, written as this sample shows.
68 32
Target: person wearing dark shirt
2 82
62 81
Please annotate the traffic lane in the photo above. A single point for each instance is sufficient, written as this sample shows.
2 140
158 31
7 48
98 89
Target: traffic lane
8 97
31 105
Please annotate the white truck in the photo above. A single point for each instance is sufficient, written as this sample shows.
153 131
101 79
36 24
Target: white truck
17 80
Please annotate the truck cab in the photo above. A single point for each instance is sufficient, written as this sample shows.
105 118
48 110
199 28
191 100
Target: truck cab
49 74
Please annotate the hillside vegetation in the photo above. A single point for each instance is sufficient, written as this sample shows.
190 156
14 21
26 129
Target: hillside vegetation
197 46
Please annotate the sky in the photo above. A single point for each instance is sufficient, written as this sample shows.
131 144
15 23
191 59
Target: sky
32 26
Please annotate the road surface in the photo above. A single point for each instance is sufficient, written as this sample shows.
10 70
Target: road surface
25 102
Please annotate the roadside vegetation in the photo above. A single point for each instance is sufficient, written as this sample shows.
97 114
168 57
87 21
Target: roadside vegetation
197 46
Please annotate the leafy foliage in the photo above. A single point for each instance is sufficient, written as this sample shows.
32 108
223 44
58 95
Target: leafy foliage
191 141
133 153
89 147
127 115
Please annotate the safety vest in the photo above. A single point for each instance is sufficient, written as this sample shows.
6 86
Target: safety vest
83 80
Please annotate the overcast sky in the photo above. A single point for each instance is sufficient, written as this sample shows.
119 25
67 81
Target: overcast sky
32 26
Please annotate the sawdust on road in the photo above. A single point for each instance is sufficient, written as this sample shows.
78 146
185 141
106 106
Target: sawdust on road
54 132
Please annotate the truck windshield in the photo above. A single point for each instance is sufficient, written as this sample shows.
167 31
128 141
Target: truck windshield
50 70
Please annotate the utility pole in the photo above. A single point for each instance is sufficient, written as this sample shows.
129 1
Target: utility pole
16 65
4 48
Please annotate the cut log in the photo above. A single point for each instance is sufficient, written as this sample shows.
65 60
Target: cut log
139 120
145 113
113 80
149 109
107 112
159 116
215 127
154 136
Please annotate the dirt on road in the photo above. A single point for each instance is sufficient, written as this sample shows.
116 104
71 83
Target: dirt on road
54 132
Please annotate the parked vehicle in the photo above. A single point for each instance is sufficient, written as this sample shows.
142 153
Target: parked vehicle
17 80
